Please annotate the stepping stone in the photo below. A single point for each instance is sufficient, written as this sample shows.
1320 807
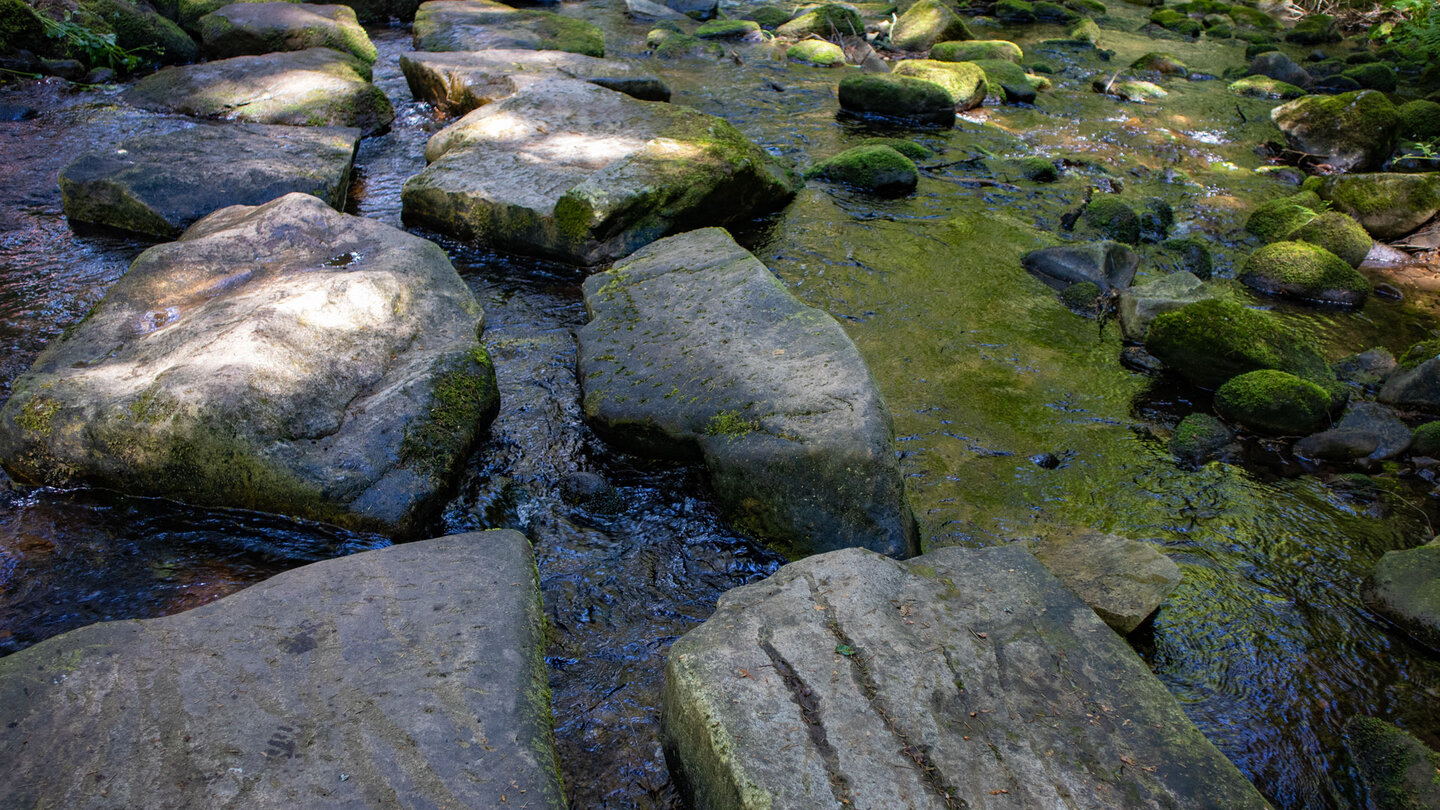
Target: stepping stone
313 87
963 678
377 679
285 358
694 349
572 171
161 184
243 29
460 81
480 25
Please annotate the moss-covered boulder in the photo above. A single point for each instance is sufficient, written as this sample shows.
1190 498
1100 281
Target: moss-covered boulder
909 149
1113 218
1304 271
1277 219
816 52
1163 64
1084 32
1209 342
1405 588
1081 298
1199 438
1009 81
1191 255
1253 17
1314 29
1140 305
1130 90
479 25
1419 120
747 30
1035 169
1399 771
893 96
1091 8
1338 233
1387 205
1273 401
877 168
1373 76
1351 131
1427 440
669 43
1265 87
829 20
136 26
286 358
965 82
926 23
20 28
1048 12
1173 20
242 29
973 50
1015 12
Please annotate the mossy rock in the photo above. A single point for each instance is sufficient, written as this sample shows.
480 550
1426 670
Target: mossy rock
21 29
926 23
1388 205
667 43
1172 20
1015 12
1163 63
1194 255
1314 29
1338 233
1218 30
729 29
1273 401
1199 438
1037 169
1130 90
817 52
909 149
770 17
828 20
138 28
1419 353
1113 218
1208 342
1427 440
876 168
1081 298
1305 271
1157 217
1253 17
1046 11
964 81
1398 771
1010 81
1265 87
973 50
897 97
1373 77
1419 120
1085 31
1277 219
1090 8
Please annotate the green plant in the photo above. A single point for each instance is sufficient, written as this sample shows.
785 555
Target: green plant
1416 27
97 49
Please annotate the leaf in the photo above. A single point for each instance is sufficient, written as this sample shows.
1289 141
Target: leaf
844 649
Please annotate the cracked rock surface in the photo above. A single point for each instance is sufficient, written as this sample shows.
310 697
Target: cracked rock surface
694 348
381 679
961 679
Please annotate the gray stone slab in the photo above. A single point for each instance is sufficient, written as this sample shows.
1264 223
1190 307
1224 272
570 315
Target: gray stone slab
459 81
1122 580
480 25
245 28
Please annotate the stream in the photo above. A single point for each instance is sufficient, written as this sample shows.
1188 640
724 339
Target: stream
1013 415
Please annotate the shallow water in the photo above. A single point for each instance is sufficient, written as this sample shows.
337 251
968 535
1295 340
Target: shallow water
1265 643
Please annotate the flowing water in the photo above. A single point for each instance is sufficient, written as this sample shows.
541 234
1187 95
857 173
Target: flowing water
1013 415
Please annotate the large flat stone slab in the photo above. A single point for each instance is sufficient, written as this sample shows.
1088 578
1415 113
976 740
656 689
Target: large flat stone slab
242 29
573 171
480 25
459 81
412 676
963 678
695 349
286 358
313 87
159 185
189 12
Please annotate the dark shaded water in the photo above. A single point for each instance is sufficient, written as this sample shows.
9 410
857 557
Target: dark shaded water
1265 643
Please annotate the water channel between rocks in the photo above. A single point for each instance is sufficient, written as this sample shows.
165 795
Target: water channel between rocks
1265 643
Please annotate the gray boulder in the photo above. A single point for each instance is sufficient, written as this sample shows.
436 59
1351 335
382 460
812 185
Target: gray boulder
1108 265
1405 588
480 25
1122 580
1370 367
583 174
243 29
963 678
412 676
695 349
459 81
695 9
161 184
313 87
649 10
1139 305
1279 67
286 358
1351 131
1388 205
1417 387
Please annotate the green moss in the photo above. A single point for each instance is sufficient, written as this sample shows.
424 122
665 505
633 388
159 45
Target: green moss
1038 169
730 424
1253 17
874 168
728 29
1399 771
1194 255
770 17
1008 80
1265 87
1210 341
1084 31
909 149
559 33
1093 8
1276 219
1373 76
898 96
1274 402
926 23
666 43
977 49
1162 63
1081 297
1426 441
36 414
1306 271
1015 12
1198 437
19 28
827 20
1419 120
963 81
463 399
139 28
1110 216
1338 233
1314 29
816 52
1419 353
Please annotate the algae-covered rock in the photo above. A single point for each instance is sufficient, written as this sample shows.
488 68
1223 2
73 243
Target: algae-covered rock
1314 29
1113 218
1015 12
1373 77
1419 119
1139 305
1405 588
1416 386
1277 219
1173 20
1338 233
1387 205
1093 8
392 667
1399 771
1045 11
897 97
1305 271
977 49
1192 255
747 30
1273 402
1199 438
1280 67
460 81
313 87
1366 369
816 52
668 43
1427 440
926 23
1351 131
1109 265
909 149
1010 81
1035 169
1253 17
1162 63
478 25
1124 581
1130 90
829 20
1265 87
510 175
695 349
874 168
964 81
135 27
1081 298
1209 342
286 358
161 184
868 672
243 29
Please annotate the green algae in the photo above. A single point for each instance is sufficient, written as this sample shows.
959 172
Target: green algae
463 399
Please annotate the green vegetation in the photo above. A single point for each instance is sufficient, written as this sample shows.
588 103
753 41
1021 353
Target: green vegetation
816 52
977 49
1338 233
876 168
462 400
1273 402
1112 218
1198 437
1208 342
1277 219
1265 87
730 424
1426 441
1306 271
728 29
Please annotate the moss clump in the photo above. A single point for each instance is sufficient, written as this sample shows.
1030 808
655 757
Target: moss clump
1037 169
874 168
926 23
1210 341
1419 353
730 424
909 149
964 81
1306 271
558 33
1399 771
1419 120
1273 402
1092 8
1194 255
897 96
667 43
1112 218
1010 81
816 52
1163 63
1265 87
1015 12
770 17
1081 298
827 20
1314 29
1338 233
21 29
977 49
1388 205
1277 219
1426 441
1253 17
1198 438
1046 11
463 399
728 29
1084 31
1373 77
1173 20
36 414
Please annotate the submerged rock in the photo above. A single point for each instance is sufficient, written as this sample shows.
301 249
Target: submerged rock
852 678
695 349
1304 271
313 87
242 29
1122 580
161 184
1208 342
1365 425
1199 438
1139 305
1109 265
377 678
480 25
457 82
1398 770
877 168
1387 205
894 96
570 170
286 358
1351 131
1405 588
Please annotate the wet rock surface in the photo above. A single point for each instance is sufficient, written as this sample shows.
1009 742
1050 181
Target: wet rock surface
458 82
242 29
370 680
480 25
1405 588
1124 581
1108 265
